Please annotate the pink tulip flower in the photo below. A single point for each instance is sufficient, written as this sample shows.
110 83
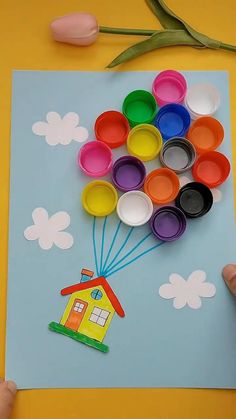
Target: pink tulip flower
75 28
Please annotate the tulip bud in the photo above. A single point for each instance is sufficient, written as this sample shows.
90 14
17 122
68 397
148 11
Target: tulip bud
75 28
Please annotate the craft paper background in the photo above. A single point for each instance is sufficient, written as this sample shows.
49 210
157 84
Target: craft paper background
154 345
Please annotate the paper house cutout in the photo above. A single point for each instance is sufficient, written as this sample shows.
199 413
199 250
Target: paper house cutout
89 311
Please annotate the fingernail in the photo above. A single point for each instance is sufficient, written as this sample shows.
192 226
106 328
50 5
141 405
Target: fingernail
229 272
12 387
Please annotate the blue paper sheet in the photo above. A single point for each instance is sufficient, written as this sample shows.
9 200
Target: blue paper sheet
154 345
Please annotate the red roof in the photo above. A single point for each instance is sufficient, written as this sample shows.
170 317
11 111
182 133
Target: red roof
94 283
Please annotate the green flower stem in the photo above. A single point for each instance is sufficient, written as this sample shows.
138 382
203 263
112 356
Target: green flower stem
150 32
123 31
228 47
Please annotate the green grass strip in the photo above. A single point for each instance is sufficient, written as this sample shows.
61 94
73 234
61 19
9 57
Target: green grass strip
79 337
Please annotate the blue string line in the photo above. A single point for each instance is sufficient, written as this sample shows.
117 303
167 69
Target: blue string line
129 253
134 259
94 245
112 245
121 248
102 245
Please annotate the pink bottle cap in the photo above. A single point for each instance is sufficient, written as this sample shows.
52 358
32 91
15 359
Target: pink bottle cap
169 87
95 159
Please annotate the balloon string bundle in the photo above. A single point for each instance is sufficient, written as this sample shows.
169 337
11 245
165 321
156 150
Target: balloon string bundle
104 268
82 29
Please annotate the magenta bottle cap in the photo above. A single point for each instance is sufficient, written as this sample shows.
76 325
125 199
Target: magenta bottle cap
128 173
95 159
168 223
169 87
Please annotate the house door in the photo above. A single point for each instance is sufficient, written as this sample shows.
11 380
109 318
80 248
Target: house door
76 314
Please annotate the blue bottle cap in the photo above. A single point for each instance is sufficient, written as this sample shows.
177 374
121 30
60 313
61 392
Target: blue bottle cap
172 120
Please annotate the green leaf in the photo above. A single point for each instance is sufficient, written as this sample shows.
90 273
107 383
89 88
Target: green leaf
203 39
160 39
166 20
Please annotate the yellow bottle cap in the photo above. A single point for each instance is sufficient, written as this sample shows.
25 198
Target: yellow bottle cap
144 141
99 198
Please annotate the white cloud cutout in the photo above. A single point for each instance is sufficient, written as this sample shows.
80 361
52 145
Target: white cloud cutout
49 230
217 194
187 291
60 130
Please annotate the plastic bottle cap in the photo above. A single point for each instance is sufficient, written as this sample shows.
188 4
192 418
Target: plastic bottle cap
194 199
139 107
169 87
99 198
162 186
193 115
112 128
168 223
172 120
178 154
206 134
95 158
144 142
128 173
211 168
134 208
202 100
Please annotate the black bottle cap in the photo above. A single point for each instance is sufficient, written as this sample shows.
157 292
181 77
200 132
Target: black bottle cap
194 199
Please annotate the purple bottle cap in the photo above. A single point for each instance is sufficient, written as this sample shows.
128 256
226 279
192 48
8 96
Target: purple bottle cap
128 173
168 223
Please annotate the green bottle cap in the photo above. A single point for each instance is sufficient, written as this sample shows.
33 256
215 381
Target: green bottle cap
139 107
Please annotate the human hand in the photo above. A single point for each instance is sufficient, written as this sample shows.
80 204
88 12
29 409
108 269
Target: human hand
7 396
229 275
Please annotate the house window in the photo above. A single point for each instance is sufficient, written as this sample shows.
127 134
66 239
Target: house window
99 316
96 294
78 307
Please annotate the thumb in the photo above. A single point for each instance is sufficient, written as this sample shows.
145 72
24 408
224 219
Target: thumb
229 275
7 396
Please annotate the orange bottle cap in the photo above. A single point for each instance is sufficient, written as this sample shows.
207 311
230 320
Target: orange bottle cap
206 134
162 185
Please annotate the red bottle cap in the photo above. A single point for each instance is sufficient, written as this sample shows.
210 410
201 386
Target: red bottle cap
112 128
211 168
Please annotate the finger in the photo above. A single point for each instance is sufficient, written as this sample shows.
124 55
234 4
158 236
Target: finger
7 396
229 275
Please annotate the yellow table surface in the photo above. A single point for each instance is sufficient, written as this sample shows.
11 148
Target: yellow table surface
26 44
